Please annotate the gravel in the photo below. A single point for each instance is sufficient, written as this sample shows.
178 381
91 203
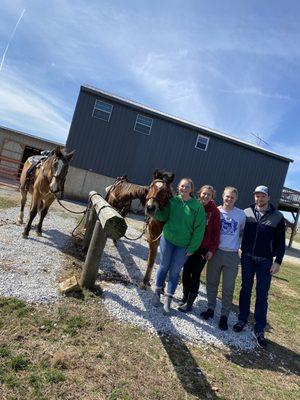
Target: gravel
29 269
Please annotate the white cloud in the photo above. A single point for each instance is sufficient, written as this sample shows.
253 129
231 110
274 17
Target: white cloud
24 105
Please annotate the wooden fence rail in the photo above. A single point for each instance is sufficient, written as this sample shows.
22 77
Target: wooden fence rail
102 222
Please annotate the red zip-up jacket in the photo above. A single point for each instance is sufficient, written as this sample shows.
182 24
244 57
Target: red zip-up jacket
211 237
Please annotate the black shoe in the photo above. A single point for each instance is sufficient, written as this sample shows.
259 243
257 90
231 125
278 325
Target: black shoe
223 323
186 307
260 338
239 326
209 313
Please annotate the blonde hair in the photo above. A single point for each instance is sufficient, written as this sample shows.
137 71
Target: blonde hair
190 181
231 189
208 187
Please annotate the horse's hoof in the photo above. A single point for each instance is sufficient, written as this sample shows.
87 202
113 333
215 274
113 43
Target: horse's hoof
20 222
25 235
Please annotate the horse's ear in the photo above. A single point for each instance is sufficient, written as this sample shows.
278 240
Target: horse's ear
157 174
57 151
70 155
168 177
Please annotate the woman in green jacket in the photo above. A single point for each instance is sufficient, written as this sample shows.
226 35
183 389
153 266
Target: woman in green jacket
183 230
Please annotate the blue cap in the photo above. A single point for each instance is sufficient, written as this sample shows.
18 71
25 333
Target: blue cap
262 189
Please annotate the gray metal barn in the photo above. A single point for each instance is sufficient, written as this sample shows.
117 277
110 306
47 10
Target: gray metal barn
114 136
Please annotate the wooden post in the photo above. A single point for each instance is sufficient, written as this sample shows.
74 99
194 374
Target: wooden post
89 228
109 223
113 224
91 265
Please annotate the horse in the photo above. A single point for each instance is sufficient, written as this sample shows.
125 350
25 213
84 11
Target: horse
48 180
159 193
121 193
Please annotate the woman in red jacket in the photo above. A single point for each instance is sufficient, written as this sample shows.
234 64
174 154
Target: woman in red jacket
196 262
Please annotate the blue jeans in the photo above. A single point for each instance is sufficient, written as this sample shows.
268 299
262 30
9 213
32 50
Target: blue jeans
252 266
172 259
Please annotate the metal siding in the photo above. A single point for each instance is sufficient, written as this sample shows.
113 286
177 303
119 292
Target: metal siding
114 149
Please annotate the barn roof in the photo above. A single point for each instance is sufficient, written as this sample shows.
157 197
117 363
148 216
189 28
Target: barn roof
176 120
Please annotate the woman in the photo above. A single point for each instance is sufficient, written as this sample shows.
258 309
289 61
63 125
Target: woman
183 230
195 263
226 259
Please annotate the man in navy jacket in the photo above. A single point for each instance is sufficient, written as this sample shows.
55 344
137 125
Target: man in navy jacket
263 240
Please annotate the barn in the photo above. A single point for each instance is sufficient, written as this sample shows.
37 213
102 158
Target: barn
16 147
114 136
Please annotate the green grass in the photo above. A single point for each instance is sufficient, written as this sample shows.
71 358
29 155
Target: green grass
76 350
6 202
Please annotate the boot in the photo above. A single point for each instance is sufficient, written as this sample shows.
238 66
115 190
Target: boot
189 303
167 304
156 297
185 296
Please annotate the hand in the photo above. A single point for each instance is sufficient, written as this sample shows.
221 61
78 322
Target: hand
189 254
209 255
275 268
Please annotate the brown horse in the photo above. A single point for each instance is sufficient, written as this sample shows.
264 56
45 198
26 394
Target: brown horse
48 180
121 193
160 191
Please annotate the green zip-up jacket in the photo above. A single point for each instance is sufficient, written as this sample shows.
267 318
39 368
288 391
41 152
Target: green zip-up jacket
184 222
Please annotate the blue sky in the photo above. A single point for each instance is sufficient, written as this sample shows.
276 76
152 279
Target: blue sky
233 66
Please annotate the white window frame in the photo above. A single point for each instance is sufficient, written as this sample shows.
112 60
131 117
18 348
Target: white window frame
104 111
141 123
204 137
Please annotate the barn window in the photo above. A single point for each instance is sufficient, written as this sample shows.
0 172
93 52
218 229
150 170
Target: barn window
202 142
102 110
143 124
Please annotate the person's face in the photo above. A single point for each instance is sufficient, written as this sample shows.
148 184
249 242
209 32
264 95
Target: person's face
205 196
184 187
261 199
229 198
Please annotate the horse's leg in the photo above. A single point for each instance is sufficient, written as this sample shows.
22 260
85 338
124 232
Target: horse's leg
150 262
23 202
44 212
33 212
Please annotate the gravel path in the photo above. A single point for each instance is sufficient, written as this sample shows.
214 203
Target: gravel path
29 270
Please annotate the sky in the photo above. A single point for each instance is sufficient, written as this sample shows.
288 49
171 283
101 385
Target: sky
233 66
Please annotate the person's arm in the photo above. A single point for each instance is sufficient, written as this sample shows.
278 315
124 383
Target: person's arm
198 232
215 235
279 246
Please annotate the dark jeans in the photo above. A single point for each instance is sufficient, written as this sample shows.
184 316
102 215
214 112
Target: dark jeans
192 270
252 266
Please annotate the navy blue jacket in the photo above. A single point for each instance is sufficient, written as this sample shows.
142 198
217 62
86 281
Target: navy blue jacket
264 238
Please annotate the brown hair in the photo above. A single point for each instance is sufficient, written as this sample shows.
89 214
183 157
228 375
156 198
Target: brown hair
208 187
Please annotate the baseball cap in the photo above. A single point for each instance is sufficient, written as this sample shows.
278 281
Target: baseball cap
262 189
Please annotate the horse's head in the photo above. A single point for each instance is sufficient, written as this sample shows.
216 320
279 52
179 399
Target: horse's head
159 192
58 165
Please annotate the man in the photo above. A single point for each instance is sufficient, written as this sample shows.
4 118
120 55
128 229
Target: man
226 259
264 239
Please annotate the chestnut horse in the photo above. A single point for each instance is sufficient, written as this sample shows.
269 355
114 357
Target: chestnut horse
49 179
160 191
121 193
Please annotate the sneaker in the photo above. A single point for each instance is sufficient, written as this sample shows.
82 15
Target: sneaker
260 338
209 313
223 323
239 326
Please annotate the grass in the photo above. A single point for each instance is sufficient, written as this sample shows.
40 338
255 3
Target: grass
6 202
75 349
